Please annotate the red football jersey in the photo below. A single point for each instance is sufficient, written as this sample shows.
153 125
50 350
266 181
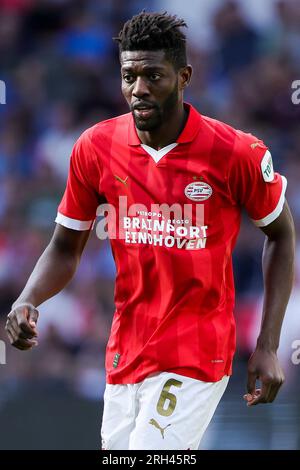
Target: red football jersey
174 293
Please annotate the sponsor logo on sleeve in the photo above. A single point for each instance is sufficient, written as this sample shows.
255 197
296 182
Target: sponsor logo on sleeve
267 167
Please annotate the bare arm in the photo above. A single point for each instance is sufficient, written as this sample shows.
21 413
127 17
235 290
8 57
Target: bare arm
53 271
278 272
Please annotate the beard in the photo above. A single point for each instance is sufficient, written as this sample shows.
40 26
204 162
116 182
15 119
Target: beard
160 114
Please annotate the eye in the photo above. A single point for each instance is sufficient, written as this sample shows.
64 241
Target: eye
154 77
128 78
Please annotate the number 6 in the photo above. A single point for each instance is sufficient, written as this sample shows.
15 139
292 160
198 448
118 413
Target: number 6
166 395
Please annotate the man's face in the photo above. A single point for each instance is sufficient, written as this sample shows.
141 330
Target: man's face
150 87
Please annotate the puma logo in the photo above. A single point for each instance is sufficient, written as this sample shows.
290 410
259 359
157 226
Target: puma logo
256 144
156 425
120 179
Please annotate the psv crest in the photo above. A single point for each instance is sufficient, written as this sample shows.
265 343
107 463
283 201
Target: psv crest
198 191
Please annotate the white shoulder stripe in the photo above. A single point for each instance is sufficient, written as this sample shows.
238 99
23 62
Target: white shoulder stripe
277 211
73 223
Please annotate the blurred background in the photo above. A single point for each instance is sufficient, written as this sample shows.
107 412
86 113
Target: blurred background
61 71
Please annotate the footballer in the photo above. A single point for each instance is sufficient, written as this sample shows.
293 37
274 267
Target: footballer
172 341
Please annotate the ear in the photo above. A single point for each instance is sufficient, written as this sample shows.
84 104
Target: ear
185 74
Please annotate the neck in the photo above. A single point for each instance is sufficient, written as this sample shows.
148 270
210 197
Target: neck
168 132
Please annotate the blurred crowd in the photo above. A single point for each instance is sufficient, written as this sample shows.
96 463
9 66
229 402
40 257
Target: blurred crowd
61 71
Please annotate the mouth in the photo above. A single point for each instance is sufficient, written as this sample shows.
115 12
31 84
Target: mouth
144 110
144 113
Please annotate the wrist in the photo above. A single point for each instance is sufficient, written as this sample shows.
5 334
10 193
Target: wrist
267 344
21 303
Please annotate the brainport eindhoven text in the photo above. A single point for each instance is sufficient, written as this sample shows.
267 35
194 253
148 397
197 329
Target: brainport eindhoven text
168 227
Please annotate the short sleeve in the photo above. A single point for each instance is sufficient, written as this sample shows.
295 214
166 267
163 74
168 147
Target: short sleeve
77 209
253 183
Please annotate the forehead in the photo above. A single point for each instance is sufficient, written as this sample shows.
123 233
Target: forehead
142 59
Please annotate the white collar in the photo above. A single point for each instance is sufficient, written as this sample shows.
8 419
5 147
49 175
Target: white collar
158 154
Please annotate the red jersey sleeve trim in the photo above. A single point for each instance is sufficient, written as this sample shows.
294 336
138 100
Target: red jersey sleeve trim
277 211
73 223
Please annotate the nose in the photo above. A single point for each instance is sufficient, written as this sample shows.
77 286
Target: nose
140 88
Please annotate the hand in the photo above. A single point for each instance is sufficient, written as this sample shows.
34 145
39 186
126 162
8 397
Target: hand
263 365
21 326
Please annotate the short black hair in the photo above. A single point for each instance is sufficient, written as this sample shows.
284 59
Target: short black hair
153 32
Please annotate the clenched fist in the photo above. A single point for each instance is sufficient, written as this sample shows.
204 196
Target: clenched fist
21 326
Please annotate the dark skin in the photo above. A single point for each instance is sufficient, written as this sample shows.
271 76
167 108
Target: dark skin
53 271
278 271
150 81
